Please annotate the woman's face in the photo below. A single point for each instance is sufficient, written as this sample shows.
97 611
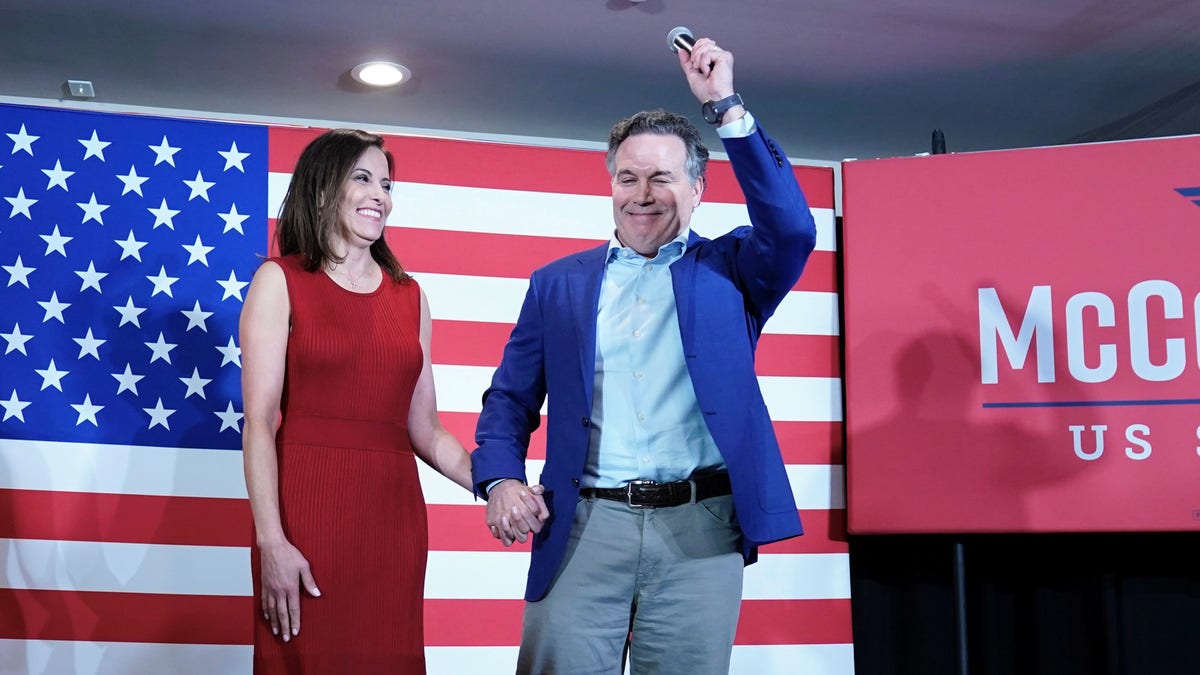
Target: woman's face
366 198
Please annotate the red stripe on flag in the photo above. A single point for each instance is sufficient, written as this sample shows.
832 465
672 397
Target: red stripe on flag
125 617
517 256
820 274
469 343
824 532
463 528
785 622
490 255
810 442
497 623
462 425
509 166
142 519
787 355
477 343
473 623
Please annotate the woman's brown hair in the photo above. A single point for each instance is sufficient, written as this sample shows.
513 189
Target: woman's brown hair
308 221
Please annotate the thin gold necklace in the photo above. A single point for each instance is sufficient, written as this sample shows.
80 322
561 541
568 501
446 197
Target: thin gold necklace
346 275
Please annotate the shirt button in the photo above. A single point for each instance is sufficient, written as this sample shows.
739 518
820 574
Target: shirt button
637 333
641 417
649 267
646 460
637 374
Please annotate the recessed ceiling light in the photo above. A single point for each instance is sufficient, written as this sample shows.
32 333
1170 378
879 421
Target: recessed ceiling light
380 73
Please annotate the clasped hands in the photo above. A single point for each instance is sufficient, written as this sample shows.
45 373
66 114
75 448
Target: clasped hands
514 510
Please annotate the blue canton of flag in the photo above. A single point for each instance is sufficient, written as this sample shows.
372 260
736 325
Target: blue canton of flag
126 245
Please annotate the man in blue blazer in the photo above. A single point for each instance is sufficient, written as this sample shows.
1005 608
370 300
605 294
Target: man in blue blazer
662 473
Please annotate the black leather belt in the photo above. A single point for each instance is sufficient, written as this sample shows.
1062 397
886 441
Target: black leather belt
649 494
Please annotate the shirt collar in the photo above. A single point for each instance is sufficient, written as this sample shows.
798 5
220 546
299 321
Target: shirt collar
671 249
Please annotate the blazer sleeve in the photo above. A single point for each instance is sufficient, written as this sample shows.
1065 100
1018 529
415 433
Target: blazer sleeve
772 255
512 404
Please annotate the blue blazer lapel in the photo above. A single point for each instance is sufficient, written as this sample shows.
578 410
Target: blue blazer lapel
683 284
583 291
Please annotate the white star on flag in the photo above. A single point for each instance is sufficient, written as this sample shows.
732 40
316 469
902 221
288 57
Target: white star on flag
129 313
196 317
58 177
14 406
127 381
88 345
132 181
22 141
87 411
16 340
233 158
199 187
162 283
94 146
20 204
52 376
91 278
93 210
197 252
130 247
18 273
195 383
56 242
233 219
160 349
163 152
230 418
164 215
158 415
54 308
230 353
233 287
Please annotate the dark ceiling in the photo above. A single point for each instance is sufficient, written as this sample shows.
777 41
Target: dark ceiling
830 78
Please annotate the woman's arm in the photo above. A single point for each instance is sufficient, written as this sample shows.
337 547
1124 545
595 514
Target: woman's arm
263 329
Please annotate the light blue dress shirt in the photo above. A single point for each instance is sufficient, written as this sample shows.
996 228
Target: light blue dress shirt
645 421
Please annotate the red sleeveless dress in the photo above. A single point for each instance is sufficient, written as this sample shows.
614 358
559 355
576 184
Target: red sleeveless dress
350 498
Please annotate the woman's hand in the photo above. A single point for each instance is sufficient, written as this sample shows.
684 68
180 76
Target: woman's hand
284 569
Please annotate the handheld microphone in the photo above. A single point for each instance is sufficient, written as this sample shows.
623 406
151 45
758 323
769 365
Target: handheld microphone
681 37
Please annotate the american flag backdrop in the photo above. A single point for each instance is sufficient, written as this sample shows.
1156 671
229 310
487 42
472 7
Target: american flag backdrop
123 519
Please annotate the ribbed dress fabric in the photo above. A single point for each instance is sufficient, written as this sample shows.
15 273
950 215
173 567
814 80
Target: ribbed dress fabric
350 498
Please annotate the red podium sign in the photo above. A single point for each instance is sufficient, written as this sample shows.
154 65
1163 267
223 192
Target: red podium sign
1023 340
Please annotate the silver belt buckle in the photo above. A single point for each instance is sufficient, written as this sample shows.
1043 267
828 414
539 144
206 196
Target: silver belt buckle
629 493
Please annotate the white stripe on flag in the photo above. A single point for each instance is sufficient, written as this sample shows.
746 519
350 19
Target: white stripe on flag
798 576
39 564
834 659
815 486
454 575
121 469
540 214
802 399
811 399
460 297
818 487
805 313
122 658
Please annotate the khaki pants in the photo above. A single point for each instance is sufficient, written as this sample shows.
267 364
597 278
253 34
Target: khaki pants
670 576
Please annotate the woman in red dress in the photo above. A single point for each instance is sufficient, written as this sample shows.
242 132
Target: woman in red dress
339 401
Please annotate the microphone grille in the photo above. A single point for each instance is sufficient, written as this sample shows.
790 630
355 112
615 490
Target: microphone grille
680 36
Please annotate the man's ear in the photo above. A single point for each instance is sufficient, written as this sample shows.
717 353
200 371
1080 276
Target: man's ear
698 191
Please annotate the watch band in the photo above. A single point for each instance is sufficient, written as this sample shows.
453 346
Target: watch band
714 111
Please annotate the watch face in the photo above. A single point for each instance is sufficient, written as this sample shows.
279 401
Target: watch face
709 112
